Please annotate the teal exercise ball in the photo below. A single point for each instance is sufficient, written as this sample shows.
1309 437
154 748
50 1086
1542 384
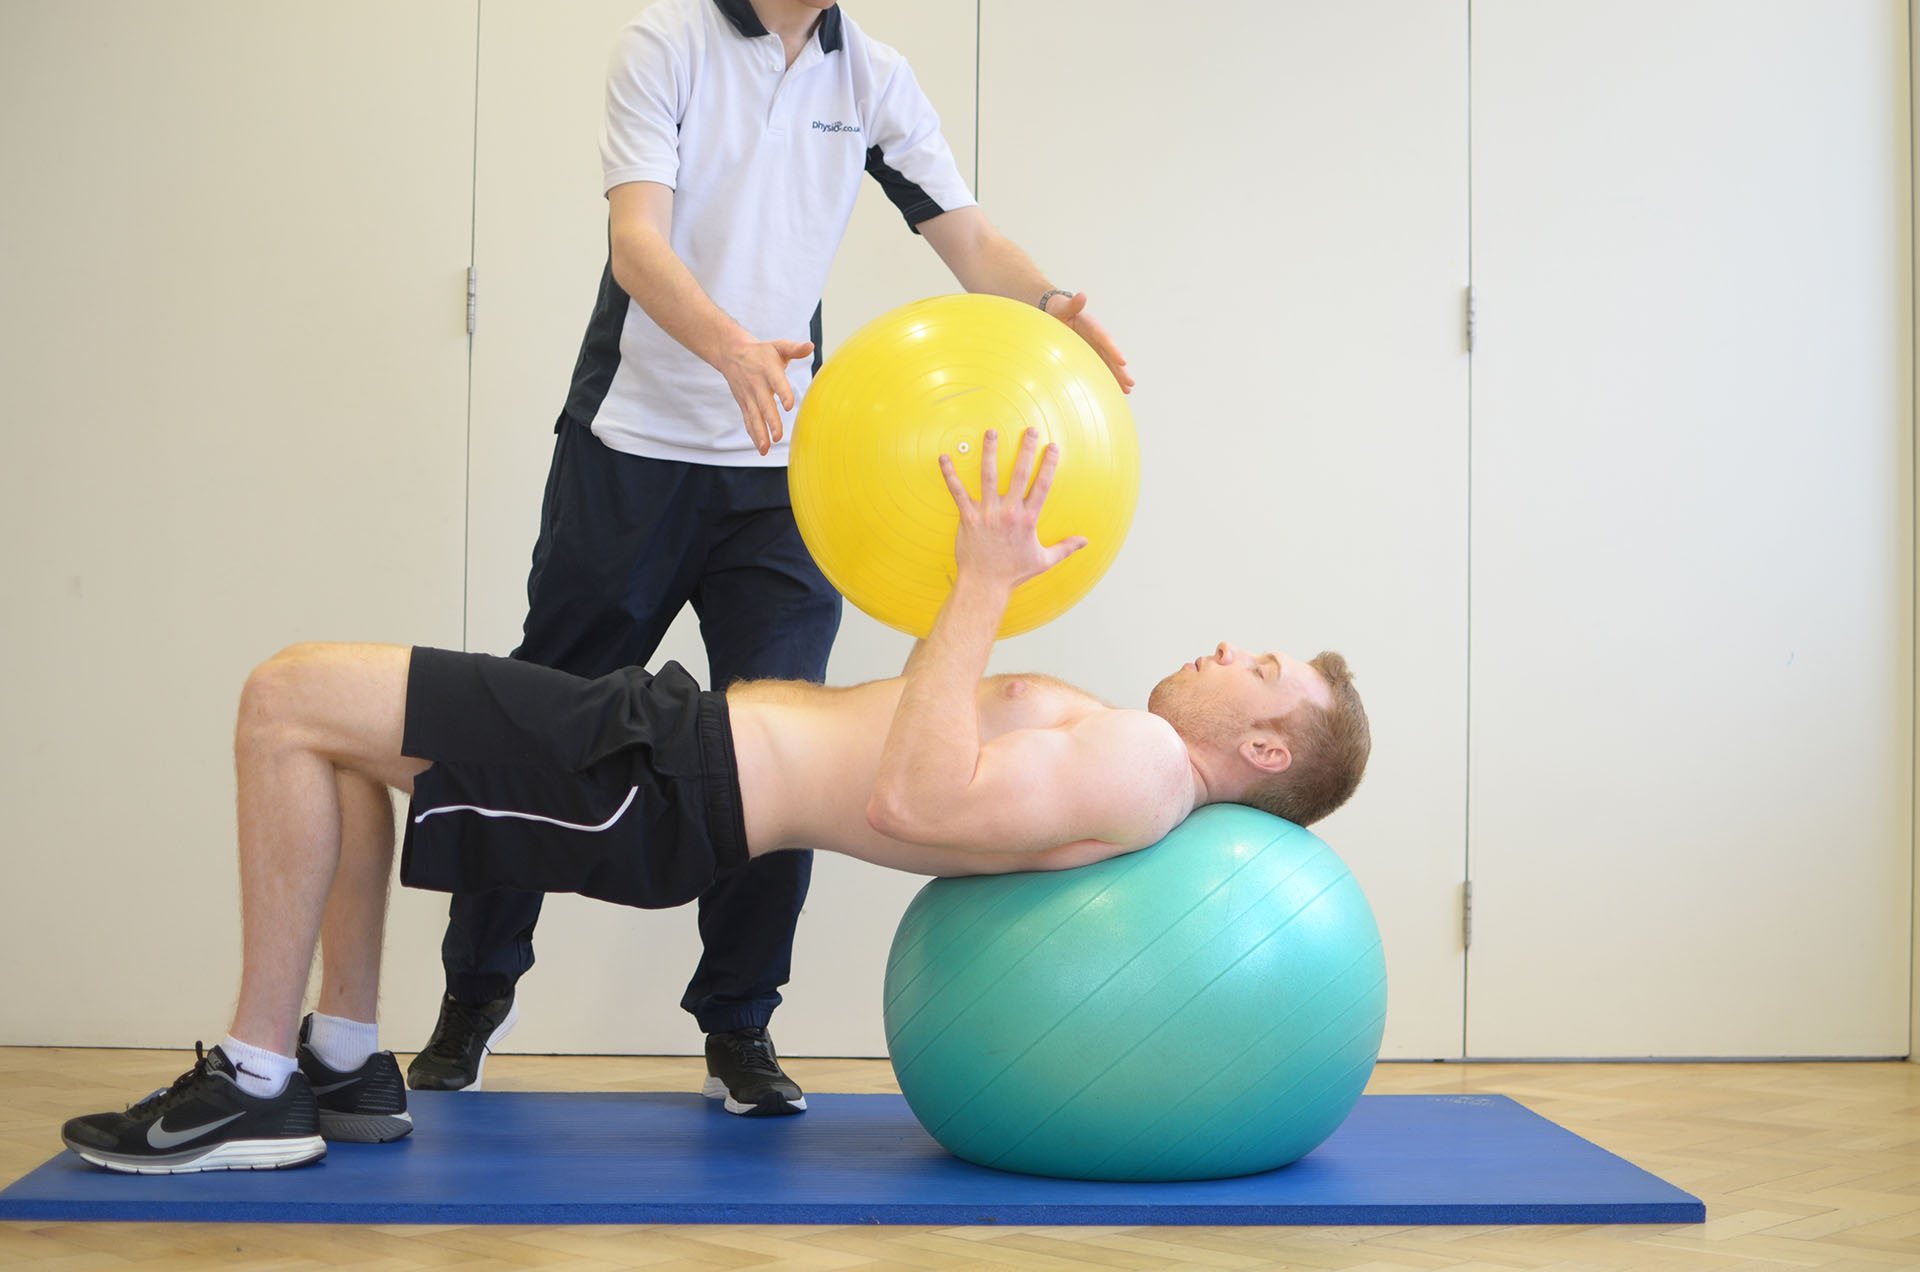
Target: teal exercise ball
1207 1007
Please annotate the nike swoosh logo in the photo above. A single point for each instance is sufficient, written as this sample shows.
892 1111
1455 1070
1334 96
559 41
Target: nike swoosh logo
335 1087
161 1138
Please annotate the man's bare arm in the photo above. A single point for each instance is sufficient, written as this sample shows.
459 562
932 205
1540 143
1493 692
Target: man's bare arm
933 744
1034 798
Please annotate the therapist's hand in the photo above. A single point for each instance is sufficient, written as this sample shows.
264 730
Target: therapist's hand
1072 310
756 372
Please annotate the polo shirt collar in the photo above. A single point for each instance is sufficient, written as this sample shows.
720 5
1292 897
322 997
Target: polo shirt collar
740 13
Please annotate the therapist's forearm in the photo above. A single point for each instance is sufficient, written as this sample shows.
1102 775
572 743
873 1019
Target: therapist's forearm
648 269
983 259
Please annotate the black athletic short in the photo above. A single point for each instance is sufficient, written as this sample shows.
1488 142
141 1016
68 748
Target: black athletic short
622 788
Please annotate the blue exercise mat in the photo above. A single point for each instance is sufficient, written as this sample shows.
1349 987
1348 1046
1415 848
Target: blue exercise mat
508 1157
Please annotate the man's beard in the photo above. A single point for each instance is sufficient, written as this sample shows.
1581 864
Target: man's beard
1195 717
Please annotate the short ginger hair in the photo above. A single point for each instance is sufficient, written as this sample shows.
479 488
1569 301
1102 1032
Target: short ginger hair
1329 745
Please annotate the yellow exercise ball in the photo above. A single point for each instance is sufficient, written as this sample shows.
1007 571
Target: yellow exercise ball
929 378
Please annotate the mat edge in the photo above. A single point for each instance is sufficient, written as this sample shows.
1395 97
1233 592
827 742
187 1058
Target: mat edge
934 1215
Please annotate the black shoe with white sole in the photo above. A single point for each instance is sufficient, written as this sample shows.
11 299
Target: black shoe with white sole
743 1070
466 1033
204 1121
367 1106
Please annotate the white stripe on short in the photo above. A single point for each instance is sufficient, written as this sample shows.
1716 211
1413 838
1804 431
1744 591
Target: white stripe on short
618 813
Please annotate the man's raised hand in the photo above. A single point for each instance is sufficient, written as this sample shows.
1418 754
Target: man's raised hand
998 536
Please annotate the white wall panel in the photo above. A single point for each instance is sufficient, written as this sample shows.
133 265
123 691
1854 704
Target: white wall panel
1692 540
1266 204
233 374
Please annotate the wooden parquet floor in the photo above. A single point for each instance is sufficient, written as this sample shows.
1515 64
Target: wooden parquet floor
1801 1166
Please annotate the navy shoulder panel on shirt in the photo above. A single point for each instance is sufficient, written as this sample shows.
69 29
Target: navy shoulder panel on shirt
915 204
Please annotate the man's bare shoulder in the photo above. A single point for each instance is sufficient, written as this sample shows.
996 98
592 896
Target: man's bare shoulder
1149 772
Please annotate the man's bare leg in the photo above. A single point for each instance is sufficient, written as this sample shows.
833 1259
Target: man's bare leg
319 733
353 928
318 739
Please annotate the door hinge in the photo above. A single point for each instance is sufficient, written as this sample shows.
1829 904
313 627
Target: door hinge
1469 320
1466 915
473 294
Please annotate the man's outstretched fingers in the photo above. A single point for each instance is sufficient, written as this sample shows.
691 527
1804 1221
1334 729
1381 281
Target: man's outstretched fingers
989 468
1043 479
1064 549
1023 464
955 486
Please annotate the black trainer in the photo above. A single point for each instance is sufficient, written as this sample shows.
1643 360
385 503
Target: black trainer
462 1039
367 1106
743 1070
204 1121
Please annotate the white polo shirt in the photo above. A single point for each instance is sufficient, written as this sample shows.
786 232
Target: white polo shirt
765 162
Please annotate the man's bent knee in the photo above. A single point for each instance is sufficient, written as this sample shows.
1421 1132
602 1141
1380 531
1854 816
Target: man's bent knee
271 698
345 702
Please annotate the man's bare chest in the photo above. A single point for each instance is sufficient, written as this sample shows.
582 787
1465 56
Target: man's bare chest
1010 703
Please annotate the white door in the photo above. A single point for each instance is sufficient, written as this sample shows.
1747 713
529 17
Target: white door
1692 526
233 364
1266 204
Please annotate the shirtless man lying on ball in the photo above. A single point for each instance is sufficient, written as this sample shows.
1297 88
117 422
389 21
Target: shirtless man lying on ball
641 788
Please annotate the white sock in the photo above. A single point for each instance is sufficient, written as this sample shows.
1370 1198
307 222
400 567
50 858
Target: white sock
260 1072
342 1045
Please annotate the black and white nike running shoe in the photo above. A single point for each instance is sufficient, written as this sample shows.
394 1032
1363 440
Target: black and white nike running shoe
204 1121
455 1057
367 1106
744 1071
